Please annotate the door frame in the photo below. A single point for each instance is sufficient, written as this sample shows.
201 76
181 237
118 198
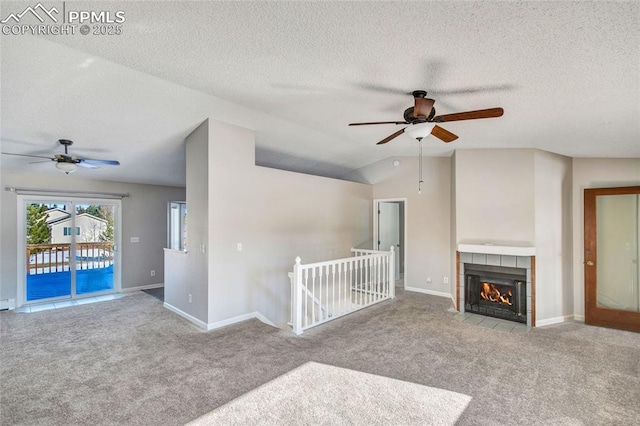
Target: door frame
22 200
376 202
594 315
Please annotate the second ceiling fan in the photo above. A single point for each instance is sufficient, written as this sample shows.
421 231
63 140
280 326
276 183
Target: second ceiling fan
421 119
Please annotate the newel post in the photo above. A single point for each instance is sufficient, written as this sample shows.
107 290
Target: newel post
297 297
392 273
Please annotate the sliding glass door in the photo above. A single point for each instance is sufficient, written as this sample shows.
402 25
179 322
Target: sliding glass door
48 256
94 248
70 248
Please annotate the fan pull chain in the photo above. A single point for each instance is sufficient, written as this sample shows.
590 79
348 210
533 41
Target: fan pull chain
420 165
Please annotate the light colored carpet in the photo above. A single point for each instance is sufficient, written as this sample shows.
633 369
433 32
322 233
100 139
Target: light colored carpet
133 362
319 394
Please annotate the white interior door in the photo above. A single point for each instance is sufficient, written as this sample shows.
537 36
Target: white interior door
389 230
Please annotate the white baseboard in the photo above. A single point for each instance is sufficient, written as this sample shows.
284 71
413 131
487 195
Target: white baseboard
431 292
257 315
185 315
9 304
141 287
578 318
556 320
208 327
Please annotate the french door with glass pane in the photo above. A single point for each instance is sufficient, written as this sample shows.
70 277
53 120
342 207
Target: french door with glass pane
69 248
612 247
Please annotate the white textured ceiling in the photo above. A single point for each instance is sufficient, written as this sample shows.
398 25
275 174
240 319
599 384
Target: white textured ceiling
566 73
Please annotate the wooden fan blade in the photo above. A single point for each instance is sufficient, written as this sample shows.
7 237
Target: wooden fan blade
422 107
471 90
378 122
393 136
443 134
470 115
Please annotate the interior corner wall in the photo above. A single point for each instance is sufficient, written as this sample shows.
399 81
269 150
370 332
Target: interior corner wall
194 280
275 215
144 215
495 196
594 173
428 224
453 229
553 242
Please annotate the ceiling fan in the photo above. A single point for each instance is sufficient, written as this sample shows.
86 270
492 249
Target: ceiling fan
421 119
68 163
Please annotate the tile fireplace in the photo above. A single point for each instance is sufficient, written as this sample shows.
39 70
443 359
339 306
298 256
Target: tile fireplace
496 291
497 281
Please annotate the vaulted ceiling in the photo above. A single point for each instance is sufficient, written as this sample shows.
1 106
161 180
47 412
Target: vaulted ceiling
566 73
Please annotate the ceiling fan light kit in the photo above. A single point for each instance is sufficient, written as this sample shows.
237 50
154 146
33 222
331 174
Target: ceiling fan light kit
66 167
420 130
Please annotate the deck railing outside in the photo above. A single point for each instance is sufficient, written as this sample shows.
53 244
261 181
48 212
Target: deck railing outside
324 291
49 258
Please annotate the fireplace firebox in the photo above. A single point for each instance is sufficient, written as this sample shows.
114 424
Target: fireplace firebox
496 291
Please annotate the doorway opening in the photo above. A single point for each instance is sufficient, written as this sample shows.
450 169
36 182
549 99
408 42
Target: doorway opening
389 229
69 248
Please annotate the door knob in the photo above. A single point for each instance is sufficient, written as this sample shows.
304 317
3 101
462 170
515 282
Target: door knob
590 263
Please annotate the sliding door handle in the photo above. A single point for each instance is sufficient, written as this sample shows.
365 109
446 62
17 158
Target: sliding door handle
590 263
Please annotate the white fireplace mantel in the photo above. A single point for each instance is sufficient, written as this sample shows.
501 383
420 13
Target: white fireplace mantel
490 248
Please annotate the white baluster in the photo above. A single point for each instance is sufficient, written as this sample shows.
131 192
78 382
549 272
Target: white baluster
392 273
319 298
333 289
377 278
297 297
371 277
380 282
351 265
313 295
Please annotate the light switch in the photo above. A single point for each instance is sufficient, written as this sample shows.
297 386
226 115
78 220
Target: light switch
239 246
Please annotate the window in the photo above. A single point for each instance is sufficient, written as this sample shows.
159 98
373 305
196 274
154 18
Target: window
177 225
66 231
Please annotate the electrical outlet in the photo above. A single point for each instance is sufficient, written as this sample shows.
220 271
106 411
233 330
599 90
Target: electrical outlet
203 248
445 280
428 280
135 239
153 273
190 298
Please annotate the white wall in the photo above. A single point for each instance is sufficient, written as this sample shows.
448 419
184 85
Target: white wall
428 215
495 196
191 274
453 238
144 215
554 280
594 173
521 197
275 215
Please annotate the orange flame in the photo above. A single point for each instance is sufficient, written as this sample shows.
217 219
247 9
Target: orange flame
491 292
